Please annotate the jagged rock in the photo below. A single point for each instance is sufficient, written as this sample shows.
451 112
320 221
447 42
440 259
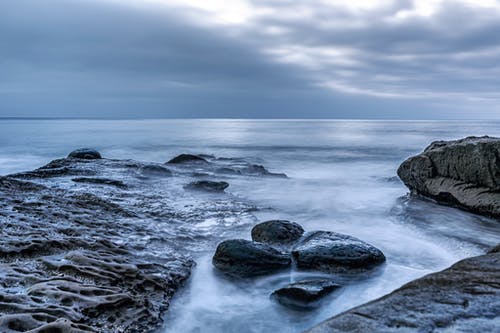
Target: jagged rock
332 252
100 181
462 298
207 186
304 294
154 170
186 158
243 258
85 153
277 232
463 173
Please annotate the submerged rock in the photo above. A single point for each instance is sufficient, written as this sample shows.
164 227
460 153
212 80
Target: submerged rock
100 181
154 170
277 232
462 298
207 186
260 170
463 173
85 153
304 294
332 252
186 158
243 258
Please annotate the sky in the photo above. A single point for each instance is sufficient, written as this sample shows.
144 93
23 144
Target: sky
250 59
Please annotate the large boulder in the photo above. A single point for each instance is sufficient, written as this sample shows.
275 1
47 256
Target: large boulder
332 252
277 232
462 298
85 153
244 258
464 173
304 294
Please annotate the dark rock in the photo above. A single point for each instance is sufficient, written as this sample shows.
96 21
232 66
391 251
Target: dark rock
100 181
85 153
207 185
462 298
277 232
304 294
186 158
243 258
463 173
154 170
332 252
259 170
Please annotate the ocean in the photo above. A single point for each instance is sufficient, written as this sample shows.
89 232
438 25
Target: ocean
341 177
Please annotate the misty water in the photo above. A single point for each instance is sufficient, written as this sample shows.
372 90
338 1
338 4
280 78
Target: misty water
341 177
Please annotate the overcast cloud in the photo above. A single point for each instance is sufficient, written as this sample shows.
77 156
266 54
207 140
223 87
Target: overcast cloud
254 58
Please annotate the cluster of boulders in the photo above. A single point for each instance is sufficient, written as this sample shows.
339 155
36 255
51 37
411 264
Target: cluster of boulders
276 244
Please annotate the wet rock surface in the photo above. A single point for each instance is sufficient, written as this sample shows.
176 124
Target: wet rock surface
100 181
77 256
277 244
277 232
186 158
85 153
462 298
335 253
244 258
305 294
463 173
207 186
153 170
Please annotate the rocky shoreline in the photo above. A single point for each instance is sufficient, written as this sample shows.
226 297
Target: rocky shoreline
91 244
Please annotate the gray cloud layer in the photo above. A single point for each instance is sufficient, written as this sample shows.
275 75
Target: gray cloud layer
97 58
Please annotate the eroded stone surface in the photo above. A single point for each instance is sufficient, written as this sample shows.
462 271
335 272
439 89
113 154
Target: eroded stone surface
82 257
464 173
462 298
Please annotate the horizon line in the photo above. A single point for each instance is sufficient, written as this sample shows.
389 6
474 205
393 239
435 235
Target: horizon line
245 118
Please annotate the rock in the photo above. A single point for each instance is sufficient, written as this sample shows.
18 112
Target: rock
207 186
463 173
85 153
186 158
304 294
462 298
243 258
335 253
259 170
100 181
154 170
277 232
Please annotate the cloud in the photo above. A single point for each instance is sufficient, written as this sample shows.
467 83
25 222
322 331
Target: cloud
255 58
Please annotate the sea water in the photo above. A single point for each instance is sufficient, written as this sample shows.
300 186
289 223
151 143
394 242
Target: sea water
341 177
